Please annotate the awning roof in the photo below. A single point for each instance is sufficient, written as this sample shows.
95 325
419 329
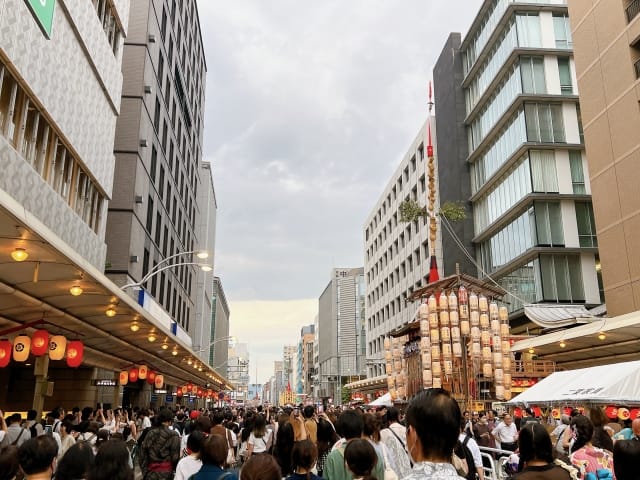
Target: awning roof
607 340
109 342
485 287
554 315
617 383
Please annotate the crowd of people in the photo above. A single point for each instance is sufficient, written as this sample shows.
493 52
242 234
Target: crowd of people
431 439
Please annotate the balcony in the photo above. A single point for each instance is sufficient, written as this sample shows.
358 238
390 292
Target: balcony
636 66
533 368
632 10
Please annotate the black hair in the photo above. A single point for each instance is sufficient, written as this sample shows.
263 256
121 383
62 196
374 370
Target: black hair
535 443
308 411
626 456
217 418
283 446
371 426
32 415
37 454
164 416
435 417
583 431
86 413
9 464
393 414
76 462
304 455
194 441
361 458
350 424
111 462
68 426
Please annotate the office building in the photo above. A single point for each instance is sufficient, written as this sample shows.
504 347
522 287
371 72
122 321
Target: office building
341 332
606 37
305 366
219 329
155 213
533 220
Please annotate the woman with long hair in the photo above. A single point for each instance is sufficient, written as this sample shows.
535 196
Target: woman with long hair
284 445
303 458
536 456
361 459
260 467
213 455
327 437
111 462
260 438
76 462
584 456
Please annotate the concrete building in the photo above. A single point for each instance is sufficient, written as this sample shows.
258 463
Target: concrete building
341 332
305 365
238 367
606 37
219 329
155 213
61 86
396 254
530 191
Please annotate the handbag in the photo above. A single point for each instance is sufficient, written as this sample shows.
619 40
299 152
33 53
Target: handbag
389 473
231 456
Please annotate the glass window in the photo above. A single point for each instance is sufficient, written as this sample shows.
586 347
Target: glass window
586 224
544 122
561 277
548 220
529 33
566 85
562 30
577 172
543 171
532 71
523 284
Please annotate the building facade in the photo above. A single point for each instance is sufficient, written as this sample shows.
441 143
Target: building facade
341 332
305 364
396 253
219 328
533 219
606 37
155 213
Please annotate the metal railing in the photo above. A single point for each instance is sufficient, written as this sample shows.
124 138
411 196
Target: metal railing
533 368
632 10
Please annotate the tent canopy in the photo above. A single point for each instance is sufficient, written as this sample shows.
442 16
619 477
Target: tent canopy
382 401
617 383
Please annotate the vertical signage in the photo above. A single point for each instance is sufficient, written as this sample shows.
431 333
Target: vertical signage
42 11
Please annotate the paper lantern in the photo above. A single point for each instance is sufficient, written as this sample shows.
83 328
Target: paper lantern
485 337
499 392
444 317
499 375
504 330
426 358
199 393
390 382
503 313
454 318
483 304
453 301
133 375
5 352
39 342
387 355
634 413
424 327
57 347
474 318
75 353
495 327
433 303
401 392
425 342
179 391
473 301
497 359
495 343
507 394
445 333
435 353
189 387
506 379
448 367
124 377
388 369
486 354
624 414
143 371
475 334
435 335
506 362
21 347
487 370
209 393
457 350
476 350
437 382
151 378
436 369
484 320
159 381
455 334
423 311
555 413
433 320
443 301
427 378
465 327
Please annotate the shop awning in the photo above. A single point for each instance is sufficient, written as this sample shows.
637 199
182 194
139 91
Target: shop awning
555 316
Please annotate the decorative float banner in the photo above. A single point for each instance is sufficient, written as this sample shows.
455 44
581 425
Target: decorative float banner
452 324
39 344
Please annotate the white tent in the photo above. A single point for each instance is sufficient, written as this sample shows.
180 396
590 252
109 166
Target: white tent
618 383
382 401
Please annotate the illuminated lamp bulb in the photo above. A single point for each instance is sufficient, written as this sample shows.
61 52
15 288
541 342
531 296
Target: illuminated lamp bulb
206 268
19 254
189 362
562 344
174 352
152 337
165 346
602 336
135 326
202 255
76 290
111 311
532 351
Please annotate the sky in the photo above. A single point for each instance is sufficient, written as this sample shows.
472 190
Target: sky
310 107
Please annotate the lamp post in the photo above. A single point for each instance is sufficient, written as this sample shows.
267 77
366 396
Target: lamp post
205 267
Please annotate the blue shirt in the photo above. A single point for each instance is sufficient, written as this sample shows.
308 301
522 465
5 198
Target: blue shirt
214 472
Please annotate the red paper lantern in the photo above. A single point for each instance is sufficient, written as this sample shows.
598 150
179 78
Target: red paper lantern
5 352
611 412
537 412
209 393
75 353
159 381
143 371
179 391
567 410
199 393
124 377
517 412
133 375
39 342
189 387
634 413
151 377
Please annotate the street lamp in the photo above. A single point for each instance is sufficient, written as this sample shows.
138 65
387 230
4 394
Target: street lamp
205 267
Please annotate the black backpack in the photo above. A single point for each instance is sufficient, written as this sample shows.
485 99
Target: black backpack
33 430
465 465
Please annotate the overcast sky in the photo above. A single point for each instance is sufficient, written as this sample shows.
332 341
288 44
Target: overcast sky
310 107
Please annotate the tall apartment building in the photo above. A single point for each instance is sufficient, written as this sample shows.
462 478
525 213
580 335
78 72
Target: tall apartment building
341 331
606 37
533 220
219 329
155 212
304 364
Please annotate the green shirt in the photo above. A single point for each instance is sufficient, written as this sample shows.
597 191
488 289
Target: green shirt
335 468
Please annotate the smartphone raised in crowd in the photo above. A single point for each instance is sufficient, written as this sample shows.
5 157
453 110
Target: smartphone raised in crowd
296 412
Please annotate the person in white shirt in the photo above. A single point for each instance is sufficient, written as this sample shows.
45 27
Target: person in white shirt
190 464
473 447
260 438
506 433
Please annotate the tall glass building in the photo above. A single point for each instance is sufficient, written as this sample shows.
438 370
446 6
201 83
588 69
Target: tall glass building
534 231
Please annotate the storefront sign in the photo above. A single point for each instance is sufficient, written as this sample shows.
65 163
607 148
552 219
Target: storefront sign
105 382
42 11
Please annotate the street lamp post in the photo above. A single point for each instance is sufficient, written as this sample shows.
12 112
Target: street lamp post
160 266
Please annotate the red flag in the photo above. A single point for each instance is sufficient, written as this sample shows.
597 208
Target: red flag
288 386
433 270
